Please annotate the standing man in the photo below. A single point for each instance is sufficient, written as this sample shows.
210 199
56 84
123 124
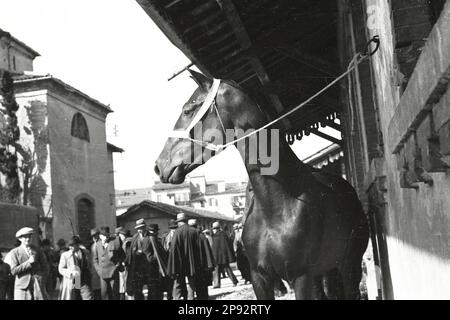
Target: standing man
60 248
169 236
204 278
75 268
50 282
107 259
144 260
223 255
30 267
122 241
184 259
95 278
156 289
5 273
241 258
167 240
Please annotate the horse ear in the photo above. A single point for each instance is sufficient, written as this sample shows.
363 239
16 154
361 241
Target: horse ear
203 81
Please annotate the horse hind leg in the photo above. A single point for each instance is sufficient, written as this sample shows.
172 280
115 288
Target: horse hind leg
351 268
304 287
263 285
351 278
332 284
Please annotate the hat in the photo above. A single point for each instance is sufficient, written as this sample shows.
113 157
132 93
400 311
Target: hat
74 240
216 225
181 217
104 231
23 232
153 227
192 222
61 242
172 224
95 232
140 223
121 230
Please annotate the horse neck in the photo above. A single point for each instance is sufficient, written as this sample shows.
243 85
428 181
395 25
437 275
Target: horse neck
292 178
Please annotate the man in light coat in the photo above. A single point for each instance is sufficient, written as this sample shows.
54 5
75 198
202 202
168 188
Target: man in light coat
30 267
75 267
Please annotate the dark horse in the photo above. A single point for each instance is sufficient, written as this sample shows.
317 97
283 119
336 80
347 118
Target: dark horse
304 225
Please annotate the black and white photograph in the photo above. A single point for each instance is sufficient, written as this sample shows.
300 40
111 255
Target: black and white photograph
249 152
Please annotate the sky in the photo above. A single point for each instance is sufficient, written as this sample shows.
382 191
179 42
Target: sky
112 51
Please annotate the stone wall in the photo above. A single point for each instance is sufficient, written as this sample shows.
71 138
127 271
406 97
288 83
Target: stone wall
408 186
80 169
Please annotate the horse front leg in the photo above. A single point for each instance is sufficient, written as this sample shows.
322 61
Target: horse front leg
263 285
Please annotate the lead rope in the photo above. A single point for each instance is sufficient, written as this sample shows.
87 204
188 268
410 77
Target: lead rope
354 63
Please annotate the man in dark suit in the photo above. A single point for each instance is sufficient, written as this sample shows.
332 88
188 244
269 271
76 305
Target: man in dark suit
168 281
107 259
146 263
223 255
204 278
30 267
184 259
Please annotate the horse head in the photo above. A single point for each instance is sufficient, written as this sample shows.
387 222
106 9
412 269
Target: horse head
181 155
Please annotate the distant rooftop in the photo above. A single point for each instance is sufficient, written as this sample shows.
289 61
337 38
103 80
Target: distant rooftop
168 186
174 210
29 78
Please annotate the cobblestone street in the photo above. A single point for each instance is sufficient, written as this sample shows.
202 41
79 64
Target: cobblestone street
241 291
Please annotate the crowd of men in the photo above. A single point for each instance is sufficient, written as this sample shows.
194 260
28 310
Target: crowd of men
182 264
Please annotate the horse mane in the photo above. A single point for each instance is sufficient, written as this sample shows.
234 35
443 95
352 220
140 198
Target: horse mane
259 99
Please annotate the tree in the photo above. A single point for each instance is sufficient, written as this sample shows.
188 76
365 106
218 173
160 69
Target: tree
10 190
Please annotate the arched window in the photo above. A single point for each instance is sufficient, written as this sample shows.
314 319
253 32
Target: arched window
80 129
85 217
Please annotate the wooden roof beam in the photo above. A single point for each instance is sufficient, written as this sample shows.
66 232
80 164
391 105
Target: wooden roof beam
171 33
244 40
314 62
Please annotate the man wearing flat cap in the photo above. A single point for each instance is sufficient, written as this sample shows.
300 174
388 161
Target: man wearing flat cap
184 259
30 267
146 263
107 260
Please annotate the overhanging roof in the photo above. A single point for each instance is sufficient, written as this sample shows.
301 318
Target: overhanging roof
281 51
114 148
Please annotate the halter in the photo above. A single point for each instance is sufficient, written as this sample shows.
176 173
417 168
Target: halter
208 104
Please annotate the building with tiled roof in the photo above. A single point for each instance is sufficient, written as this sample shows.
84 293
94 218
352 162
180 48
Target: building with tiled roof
161 213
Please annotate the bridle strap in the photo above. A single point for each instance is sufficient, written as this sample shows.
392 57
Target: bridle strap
210 98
